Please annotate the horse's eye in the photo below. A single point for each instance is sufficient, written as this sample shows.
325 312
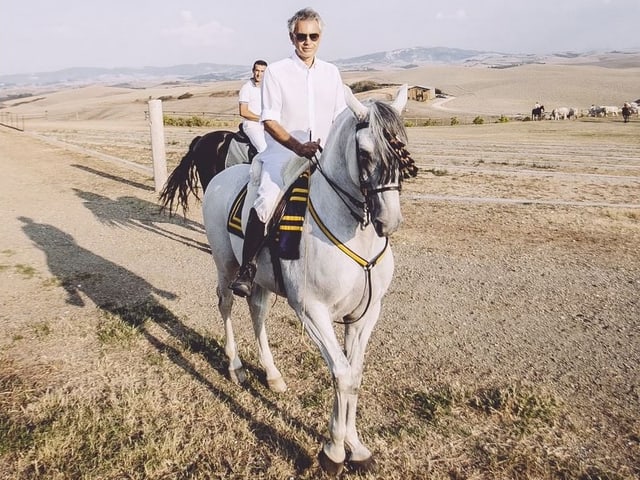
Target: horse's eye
365 158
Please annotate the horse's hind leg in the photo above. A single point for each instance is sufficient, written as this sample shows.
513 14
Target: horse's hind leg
225 303
259 304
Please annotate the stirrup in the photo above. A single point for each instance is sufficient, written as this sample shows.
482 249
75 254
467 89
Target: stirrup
243 283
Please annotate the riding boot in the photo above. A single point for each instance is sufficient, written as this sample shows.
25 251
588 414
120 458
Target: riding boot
254 238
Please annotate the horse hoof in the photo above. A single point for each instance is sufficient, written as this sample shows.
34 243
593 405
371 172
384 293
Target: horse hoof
277 385
368 465
238 375
329 466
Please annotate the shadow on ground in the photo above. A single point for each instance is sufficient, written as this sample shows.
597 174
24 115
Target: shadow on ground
133 212
101 281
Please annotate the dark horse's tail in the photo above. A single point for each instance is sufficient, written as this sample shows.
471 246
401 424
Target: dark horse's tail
205 158
182 182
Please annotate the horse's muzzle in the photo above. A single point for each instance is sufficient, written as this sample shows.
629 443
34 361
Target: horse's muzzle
386 229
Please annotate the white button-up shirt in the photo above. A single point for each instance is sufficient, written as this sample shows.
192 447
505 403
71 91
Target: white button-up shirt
304 100
250 93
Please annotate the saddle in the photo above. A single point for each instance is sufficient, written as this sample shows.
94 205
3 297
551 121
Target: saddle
284 230
241 137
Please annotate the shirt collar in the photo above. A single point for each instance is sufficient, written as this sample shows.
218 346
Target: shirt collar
300 64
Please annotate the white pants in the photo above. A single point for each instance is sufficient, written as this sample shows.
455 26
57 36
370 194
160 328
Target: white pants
271 186
255 132
267 176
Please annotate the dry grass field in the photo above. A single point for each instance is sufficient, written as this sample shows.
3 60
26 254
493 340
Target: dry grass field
508 346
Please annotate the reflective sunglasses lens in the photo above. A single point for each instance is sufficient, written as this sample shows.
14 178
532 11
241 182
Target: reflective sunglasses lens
301 37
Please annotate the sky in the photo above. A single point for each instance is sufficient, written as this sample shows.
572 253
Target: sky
48 35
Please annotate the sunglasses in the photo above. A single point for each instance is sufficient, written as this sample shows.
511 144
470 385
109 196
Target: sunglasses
301 37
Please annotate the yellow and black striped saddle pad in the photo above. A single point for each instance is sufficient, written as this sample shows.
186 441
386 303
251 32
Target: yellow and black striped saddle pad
285 228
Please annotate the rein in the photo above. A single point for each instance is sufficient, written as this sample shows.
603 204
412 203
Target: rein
364 220
406 167
364 263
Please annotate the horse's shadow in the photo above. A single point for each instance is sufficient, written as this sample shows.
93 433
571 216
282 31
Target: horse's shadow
133 212
102 281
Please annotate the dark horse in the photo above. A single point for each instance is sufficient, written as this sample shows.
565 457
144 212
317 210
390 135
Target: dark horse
536 113
206 158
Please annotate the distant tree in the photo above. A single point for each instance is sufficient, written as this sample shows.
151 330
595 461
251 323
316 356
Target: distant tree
364 86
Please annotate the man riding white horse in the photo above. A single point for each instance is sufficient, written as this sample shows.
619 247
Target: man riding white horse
301 97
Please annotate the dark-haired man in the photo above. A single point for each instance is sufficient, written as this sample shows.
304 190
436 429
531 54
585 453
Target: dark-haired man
250 106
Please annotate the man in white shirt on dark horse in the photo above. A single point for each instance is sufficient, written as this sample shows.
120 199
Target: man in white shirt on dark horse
250 106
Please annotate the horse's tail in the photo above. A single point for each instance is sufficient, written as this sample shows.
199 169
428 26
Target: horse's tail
182 182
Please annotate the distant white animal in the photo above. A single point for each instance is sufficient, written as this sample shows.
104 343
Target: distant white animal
560 113
611 111
634 108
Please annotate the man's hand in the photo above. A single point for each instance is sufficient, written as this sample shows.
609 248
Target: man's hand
308 150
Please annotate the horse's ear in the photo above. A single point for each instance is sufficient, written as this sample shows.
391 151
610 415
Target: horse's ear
401 99
358 109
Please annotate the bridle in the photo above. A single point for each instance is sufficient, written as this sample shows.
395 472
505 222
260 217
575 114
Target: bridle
360 210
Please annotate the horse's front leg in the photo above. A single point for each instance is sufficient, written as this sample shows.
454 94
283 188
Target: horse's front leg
318 324
357 337
259 304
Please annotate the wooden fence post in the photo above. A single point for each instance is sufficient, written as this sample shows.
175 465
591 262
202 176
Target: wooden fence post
157 144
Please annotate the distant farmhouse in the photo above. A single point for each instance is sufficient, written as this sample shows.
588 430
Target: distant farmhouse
421 93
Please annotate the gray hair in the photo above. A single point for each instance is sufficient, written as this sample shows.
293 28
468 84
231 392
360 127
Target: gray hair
304 14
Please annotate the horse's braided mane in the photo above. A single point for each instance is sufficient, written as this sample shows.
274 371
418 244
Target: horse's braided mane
390 138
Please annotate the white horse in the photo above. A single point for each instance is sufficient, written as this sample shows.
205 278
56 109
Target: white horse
345 265
560 113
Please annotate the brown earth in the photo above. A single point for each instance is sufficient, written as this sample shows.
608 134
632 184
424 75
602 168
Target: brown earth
517 264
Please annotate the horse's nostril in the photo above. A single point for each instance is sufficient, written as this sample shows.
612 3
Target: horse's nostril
379 228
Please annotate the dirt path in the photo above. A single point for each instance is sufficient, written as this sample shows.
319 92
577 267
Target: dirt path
544 290
71 216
